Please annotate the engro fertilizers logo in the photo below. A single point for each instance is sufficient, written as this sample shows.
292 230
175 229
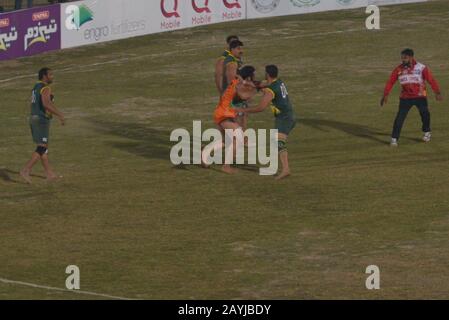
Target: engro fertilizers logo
80 15
265 6
77 16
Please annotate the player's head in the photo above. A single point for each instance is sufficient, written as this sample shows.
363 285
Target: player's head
236 48
271 72
247 89
45 75
407 57
247 73
229 39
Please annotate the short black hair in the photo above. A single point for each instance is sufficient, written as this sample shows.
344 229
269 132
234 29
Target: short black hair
272 71
247 72
235 44
229 39
43 72
408 52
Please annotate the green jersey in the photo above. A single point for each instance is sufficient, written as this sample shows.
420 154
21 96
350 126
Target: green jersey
281 106
230 59
37 106
225 54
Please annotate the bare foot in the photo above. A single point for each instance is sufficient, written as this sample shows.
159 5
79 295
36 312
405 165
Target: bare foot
229 170
283 175
54 177
26 176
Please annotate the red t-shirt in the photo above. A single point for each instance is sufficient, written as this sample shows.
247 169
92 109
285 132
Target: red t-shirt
413 81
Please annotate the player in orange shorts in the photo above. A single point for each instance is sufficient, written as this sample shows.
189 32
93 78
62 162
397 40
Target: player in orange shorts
241 89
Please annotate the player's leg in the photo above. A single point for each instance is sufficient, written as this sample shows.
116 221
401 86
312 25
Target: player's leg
39 135
26 171
284 128
283 156
51 175
217 146
44 134
424 112
229 124
404 108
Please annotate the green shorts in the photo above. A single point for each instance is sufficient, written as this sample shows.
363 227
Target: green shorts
240 105
285 125
40 129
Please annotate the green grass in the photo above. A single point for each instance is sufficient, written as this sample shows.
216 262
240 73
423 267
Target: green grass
139 227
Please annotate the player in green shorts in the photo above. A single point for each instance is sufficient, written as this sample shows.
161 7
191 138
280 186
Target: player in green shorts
219 65
231 65
42 111
276 94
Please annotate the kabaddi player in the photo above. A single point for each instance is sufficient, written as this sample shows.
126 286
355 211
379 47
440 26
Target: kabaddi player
275 94
238 91
42 111
219 65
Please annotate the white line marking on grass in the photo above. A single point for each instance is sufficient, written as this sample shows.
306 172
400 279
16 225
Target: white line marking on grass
20 283
78 68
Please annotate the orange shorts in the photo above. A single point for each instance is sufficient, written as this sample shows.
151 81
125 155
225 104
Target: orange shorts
224 109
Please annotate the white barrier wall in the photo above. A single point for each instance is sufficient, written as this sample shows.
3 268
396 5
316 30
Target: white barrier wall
94 21
273 8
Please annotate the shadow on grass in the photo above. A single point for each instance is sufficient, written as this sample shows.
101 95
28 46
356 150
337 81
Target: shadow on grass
5 175
146 141
355 130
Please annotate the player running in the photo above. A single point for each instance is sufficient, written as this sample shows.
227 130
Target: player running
219 65
413 76
42 111
275 94
239 90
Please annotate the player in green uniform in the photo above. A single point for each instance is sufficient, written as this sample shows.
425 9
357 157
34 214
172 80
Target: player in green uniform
219 64
42 111
232 63
276 94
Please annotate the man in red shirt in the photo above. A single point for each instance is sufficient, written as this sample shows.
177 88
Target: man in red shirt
413 76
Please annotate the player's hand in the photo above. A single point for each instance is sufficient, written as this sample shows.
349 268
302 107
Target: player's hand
62 120
383 101
439 97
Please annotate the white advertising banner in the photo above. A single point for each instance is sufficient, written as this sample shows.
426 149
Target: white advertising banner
176 14
272 8
93 21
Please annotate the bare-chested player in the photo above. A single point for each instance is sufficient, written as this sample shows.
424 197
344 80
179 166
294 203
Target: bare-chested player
239 90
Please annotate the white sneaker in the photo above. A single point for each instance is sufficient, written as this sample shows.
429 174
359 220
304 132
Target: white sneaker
394 142
427 136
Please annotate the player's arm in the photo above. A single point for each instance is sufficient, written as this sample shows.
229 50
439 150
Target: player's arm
231 71
389 86
219 74
268 96
428 76
50 106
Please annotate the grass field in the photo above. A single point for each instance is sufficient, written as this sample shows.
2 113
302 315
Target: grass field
138 227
